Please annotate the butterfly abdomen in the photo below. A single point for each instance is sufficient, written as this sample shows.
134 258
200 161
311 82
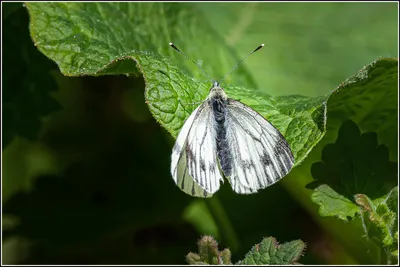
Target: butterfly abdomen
218 104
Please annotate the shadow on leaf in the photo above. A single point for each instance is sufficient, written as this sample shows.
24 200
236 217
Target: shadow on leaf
355 164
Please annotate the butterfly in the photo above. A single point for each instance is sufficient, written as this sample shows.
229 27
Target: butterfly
226 138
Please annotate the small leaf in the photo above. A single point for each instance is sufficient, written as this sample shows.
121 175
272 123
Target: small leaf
269 252
208 253
225 256
193 259
208 250
382 212
333 204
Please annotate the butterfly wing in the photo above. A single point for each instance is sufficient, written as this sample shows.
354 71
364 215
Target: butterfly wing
261 155
194 159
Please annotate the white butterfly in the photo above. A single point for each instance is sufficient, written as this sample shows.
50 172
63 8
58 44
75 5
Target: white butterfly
225 138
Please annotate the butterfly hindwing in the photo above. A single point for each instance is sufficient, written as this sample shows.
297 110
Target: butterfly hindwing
194 161
185 182
262 156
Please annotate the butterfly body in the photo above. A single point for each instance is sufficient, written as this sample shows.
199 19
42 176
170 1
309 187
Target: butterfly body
218 101
225 138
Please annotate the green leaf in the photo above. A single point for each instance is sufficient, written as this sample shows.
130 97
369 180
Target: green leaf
269 252
333 204
369 98
85 38
208 250
226 256
383 213
354 164
89 47
92 45
193 259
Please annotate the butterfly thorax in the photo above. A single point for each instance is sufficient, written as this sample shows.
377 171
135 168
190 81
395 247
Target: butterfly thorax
216 91
218 101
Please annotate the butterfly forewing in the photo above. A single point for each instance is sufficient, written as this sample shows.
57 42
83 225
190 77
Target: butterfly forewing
262 156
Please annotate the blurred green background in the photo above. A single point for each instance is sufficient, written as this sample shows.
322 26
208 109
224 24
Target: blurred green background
86 168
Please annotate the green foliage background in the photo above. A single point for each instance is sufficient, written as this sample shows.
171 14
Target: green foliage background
86 161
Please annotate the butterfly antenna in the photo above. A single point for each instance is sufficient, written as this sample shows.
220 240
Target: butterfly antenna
183 54
240 62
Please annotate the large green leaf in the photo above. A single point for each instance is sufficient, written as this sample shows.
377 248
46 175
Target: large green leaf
84 38
369 98
90 47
